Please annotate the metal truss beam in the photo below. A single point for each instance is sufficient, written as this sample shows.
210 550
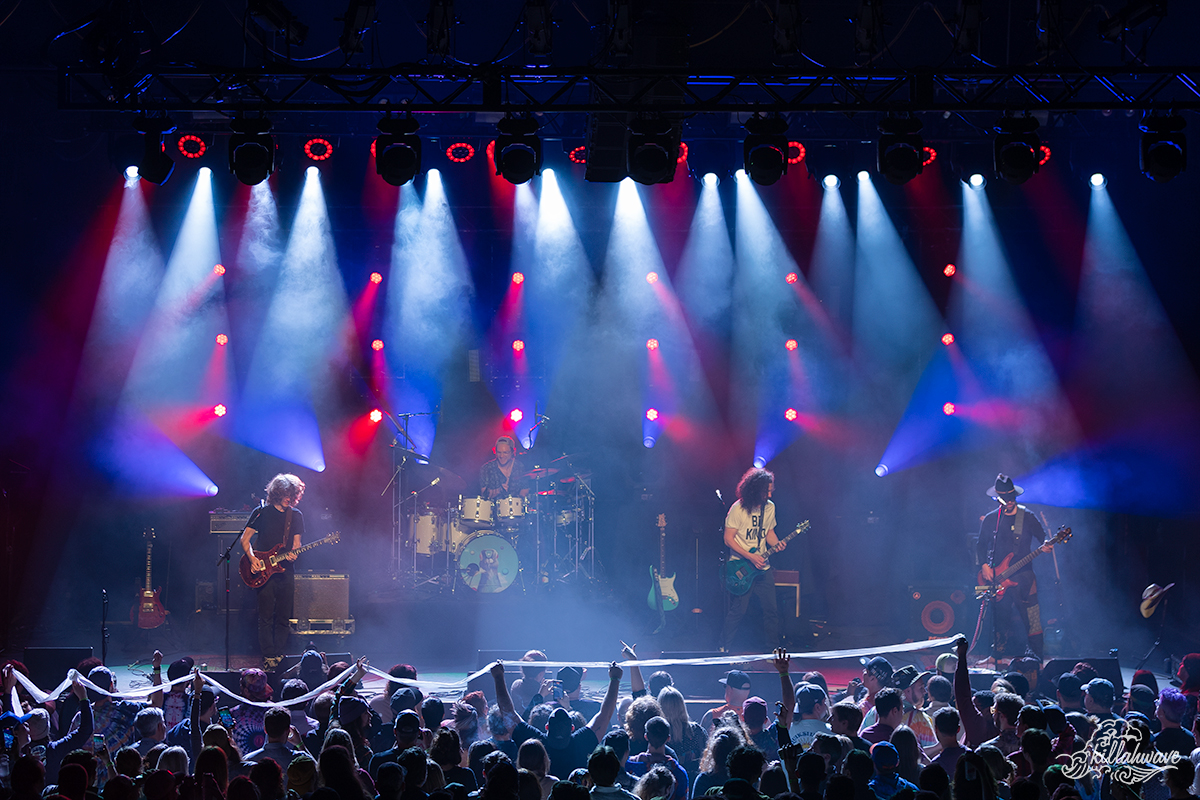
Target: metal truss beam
419 88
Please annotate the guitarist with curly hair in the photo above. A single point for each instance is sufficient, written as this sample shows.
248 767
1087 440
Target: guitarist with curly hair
749 531
277 522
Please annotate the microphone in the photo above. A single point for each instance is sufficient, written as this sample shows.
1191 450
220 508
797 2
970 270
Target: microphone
542 418
719 496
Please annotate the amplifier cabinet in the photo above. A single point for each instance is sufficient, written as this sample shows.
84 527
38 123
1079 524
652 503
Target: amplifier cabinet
322 595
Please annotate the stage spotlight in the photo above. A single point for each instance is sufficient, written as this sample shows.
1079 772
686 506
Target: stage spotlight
652 344
518 278
191 146
312 172
222 339
131 173
251 150
357 20
765 149
648 442
518 150
219 270
1098 181
652 414
318 149
398 150
947 339
948 409
515 415
791 344
792 277
376 278
376 415
930 156
740 174
790 415
759 462
518 345
977 181
1044 155
949 270
651 277
1017 150
710 179
1164 147
796 153
460 152
654 150
377 345
901 152
863 175
683 153
831 182
539 39
439 22
881 470
220 410
155 165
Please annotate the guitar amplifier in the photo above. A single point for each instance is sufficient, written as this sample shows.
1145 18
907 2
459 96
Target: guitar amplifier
227 521
322 604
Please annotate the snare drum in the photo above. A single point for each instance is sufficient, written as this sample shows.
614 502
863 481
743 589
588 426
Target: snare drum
510 508
475 512
427 534
488 563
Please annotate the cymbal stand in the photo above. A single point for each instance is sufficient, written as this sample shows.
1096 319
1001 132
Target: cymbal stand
401 451
585 497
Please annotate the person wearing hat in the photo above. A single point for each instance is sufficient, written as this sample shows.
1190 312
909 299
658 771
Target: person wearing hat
749 533
112 717
407 732
202 706
175 704
1098 698
737 690
1012 531
247 732
887 780
1069 691
567 747
37 721
877 675
812 713
571 681
276 522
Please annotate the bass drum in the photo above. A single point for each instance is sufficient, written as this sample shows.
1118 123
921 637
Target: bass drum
427 534
488 563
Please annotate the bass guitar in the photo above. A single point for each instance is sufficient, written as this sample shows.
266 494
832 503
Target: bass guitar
662 589
274 560
1000 583
148 611
740 574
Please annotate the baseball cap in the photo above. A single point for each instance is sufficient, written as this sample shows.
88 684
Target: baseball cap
905 677
351 708
754 711
1069 685
736 679
1101 691
39 723
880 667
885 755
559 728
946 663
403 699
255 685
1019 682
808 695
102 677
570 677
180 667
407 725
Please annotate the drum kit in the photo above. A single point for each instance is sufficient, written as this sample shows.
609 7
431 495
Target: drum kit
488 545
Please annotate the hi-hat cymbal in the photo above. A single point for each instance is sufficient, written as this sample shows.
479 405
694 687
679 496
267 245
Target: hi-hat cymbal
541 472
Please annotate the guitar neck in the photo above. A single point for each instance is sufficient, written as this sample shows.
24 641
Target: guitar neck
149 548
283 555
803 526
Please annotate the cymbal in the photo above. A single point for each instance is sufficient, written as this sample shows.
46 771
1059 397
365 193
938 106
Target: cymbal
568 458
579 475
549 491
541 472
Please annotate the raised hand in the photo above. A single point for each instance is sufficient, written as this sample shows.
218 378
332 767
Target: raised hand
782 660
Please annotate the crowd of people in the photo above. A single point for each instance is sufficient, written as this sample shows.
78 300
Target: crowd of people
894 734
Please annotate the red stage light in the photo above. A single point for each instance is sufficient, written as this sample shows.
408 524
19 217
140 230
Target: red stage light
791 344
790 415
792 277
652 344
651 277
191 145
518 278
373 147
949 270
376 415
930 156
319 149
683 151
222 339
376 278
515 415
652 414
377 345
799 151
220 410
460 152
1045 155
518 345
491 152
948 409
219 269
947 339
578 155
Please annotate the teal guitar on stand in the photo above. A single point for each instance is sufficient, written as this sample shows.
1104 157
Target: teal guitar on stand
740 574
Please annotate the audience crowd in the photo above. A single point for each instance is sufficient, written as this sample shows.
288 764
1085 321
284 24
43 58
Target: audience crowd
894 734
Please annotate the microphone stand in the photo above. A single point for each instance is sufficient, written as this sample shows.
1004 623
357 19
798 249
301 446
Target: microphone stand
1162 625
225 557
103 626
400 455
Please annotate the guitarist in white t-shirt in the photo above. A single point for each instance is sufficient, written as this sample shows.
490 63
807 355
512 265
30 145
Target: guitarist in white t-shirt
750 530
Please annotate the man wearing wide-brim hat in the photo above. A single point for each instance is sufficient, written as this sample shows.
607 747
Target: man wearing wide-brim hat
1006 535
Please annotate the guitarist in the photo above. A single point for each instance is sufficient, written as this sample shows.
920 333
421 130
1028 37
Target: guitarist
276 522
750 526
1012 529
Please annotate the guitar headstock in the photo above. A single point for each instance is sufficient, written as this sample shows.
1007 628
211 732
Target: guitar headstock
802 526
662 521
334 537
148 534
1063 534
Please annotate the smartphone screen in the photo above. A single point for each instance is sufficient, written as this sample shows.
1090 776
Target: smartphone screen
9 740
225 717
97 742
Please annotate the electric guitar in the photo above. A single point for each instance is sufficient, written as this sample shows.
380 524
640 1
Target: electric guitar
148 611
740 573
274 561
1000 583
662 589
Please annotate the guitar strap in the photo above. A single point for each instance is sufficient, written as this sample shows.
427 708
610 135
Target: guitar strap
287 527
1019 523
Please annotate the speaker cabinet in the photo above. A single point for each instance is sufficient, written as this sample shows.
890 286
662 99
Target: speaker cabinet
936 610
322 596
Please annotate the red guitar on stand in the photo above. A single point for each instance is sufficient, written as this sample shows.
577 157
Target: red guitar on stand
148 611
275 559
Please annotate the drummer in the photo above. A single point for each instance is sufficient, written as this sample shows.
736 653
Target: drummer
504 476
